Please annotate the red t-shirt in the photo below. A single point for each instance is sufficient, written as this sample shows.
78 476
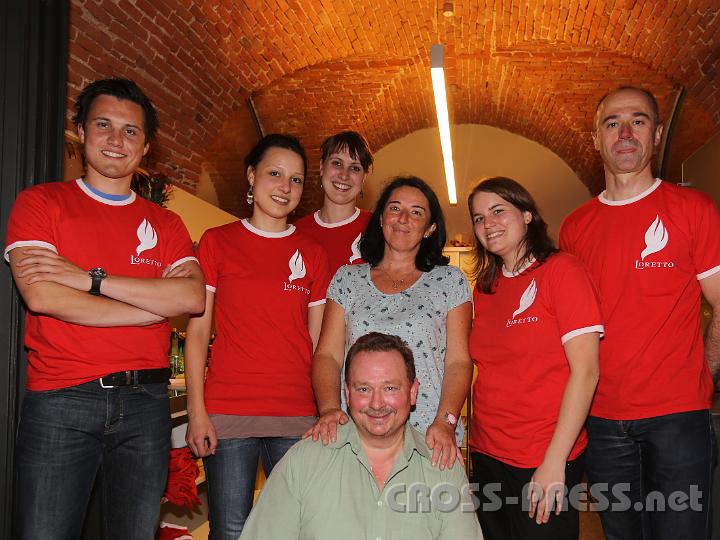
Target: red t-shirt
646 255
133 238
517 345
341 240
264 284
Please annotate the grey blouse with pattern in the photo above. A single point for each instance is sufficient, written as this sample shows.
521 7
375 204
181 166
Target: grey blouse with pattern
418 315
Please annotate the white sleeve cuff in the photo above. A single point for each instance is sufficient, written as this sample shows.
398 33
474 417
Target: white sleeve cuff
183 260
599 328
317 303
708 273
28 243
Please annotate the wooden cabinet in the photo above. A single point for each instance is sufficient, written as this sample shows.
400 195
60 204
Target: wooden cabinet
462 257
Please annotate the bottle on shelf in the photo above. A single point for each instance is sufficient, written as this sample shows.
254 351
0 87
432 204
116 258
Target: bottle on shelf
181 353
174 349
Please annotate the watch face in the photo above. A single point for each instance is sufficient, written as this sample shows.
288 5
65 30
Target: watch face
98 272
97 275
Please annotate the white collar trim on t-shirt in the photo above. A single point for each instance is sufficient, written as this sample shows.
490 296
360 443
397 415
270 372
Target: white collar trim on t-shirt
339 223
86 190
520 270
268 234
631 200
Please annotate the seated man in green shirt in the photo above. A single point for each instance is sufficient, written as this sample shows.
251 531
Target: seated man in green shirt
376 481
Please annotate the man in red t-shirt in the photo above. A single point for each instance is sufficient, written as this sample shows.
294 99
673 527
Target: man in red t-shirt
100 270
652 248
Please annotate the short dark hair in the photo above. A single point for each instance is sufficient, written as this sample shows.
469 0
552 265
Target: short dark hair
372 244
537 242
275 140
379 342
353 142
120 89
647 93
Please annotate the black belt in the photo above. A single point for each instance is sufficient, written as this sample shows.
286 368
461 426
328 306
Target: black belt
132 378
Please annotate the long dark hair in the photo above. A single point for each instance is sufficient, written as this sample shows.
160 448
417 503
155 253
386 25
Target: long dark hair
536 244
372 244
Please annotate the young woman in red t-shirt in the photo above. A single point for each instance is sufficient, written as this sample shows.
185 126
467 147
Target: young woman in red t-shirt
266 285
345 162
534 342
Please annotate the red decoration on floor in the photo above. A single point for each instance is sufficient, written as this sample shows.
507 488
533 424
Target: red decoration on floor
181 488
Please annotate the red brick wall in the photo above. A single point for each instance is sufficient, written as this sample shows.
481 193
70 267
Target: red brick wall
178 63
314 67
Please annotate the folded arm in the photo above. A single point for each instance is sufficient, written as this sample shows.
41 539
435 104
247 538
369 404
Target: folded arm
73 306
180 291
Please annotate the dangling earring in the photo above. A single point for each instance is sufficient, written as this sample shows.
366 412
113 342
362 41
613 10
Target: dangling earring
249 196
362 194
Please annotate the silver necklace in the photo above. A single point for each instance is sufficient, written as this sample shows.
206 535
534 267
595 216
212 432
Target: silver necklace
396 284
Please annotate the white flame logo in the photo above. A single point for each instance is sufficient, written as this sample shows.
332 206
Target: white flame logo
297 266
147 236
527 299
355 248
656 238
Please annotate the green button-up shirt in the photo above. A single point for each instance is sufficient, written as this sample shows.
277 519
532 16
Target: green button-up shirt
321 492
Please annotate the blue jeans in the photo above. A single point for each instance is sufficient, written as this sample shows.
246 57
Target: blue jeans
67 437
231 473
636 464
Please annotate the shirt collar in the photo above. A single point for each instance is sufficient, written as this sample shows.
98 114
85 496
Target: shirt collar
603 199
414 441
345 221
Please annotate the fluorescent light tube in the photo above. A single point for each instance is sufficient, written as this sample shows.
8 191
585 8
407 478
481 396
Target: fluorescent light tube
437 72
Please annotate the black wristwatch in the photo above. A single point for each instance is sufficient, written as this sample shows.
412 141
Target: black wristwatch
97 275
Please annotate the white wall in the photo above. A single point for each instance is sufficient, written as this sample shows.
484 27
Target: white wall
480 151
205 189
702 169
197 214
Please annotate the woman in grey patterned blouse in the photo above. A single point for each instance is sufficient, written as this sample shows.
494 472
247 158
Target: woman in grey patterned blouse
407 289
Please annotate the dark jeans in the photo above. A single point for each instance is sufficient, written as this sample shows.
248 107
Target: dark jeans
231 473
635 466
498 481
66 437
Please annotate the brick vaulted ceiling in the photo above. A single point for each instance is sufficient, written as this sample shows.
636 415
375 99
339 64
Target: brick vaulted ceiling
313 67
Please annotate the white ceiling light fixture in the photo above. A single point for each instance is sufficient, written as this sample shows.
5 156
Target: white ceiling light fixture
437 72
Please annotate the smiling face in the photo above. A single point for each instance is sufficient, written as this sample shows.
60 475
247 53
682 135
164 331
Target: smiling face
342 177
379 394
626 134
277 183
406 219
499 226
114 143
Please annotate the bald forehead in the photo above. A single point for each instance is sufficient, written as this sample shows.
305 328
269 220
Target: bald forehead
626 94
